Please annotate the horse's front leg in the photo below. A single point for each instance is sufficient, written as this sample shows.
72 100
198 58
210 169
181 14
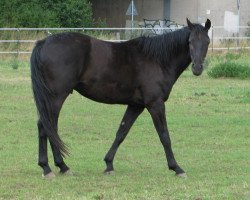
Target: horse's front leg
157 112
129 118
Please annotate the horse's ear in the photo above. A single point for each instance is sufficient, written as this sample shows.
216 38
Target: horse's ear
207 24
190 25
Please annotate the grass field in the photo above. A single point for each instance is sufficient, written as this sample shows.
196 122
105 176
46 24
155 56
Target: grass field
209 122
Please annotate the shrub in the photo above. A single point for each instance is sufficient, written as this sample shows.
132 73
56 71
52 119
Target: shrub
229 66
232 56
14 63
230 69
77 13
207 62
31 14
46 13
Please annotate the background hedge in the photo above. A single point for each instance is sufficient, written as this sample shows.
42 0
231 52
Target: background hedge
46 13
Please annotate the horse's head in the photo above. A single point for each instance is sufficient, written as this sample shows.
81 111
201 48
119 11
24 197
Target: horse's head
198 45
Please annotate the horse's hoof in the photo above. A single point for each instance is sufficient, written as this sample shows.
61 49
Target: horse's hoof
182 175
109 172
50 175
67 173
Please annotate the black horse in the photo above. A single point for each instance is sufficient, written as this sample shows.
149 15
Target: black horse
139 73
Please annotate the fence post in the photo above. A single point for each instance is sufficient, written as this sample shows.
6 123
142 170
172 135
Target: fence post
16 54
18 41
118 37
212 38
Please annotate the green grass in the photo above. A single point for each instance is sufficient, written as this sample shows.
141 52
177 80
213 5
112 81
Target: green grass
210 129
234 65
230 69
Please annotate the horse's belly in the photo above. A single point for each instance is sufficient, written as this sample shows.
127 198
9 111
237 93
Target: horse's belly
111 93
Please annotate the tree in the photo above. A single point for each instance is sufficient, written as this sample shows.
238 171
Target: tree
45 13
74 13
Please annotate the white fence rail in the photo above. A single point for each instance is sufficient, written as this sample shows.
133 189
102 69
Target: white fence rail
216 35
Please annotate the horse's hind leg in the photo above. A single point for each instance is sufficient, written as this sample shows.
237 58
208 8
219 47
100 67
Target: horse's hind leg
43 154
58 159
129 118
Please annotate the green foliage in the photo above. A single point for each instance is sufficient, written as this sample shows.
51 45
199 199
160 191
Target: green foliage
232 56
75 13
31 14
14 64
46 13
229 66
207 62
230 69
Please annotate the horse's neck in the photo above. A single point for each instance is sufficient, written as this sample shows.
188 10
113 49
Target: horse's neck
179 62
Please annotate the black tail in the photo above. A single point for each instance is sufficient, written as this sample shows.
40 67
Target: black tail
43 96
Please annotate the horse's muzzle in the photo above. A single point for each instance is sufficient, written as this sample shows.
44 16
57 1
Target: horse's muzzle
197 69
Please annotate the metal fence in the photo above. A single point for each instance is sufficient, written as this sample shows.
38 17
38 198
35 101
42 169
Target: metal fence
21 40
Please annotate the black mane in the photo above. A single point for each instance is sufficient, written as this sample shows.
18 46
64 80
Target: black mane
163 47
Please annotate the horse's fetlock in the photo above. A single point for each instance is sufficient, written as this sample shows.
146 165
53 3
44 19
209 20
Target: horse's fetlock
43 163
108 160
173 166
